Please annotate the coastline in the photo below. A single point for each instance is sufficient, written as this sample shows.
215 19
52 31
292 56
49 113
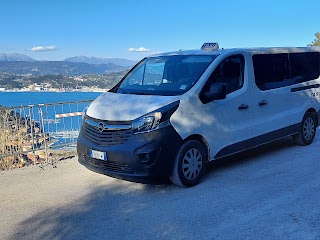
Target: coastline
98 90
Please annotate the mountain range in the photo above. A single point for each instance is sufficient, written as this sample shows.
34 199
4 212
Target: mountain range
15 57
16 63
79 59
95 60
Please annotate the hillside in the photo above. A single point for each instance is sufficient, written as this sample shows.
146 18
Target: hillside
19 71
38 68
50 81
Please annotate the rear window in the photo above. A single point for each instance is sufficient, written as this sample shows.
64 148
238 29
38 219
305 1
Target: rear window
305 66
280 70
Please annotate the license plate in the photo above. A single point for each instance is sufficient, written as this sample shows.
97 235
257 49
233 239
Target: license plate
98 155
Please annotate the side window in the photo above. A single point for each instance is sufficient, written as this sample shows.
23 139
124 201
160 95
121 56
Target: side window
231 72
271 70
304 66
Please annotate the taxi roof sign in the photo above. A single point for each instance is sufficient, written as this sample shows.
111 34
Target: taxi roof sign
210 46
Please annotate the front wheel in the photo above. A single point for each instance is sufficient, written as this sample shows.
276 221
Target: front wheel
189 165
307 130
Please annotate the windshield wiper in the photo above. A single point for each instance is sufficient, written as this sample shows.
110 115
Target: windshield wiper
140 93
121 90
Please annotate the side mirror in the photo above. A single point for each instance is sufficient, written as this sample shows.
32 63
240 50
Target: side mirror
217 91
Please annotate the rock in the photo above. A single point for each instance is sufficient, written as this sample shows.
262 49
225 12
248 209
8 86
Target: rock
26 146
38 157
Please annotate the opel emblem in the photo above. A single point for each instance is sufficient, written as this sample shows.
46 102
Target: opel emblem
101 127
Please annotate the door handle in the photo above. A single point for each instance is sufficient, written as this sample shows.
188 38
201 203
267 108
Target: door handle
263 102
243 107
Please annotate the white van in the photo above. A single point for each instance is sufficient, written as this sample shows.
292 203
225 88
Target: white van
174 112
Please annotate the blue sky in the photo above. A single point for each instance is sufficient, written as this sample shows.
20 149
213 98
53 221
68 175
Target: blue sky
54 30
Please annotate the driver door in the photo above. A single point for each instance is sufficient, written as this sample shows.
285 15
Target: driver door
228 122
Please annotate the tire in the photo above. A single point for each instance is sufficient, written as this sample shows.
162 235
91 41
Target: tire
189 165
307 130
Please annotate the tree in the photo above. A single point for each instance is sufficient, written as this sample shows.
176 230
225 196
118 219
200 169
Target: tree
316 42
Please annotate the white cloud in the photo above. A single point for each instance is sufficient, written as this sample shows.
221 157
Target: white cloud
43 48
140 49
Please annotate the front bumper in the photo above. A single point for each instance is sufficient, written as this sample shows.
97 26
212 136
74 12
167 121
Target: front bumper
142 157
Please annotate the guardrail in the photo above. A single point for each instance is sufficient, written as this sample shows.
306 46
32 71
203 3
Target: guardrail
32 134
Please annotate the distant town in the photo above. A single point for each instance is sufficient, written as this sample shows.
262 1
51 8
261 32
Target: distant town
18 72
58 83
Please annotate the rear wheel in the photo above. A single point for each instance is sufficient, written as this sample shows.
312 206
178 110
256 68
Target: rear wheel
307 130
189 165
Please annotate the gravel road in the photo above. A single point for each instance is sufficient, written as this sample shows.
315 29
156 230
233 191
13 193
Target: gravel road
272 192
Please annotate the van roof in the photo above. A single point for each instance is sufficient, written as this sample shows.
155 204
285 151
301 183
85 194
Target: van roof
250 50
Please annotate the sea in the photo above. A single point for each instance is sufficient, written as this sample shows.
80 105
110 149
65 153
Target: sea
63 130
14 99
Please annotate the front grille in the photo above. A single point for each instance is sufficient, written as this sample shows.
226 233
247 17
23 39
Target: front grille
108 165
106 137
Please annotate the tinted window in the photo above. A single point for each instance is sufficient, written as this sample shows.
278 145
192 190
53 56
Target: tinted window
304 66
229 71
271 70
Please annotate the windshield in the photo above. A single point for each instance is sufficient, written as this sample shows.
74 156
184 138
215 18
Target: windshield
167 75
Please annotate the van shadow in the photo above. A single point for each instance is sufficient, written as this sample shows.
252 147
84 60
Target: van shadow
115 211
123 210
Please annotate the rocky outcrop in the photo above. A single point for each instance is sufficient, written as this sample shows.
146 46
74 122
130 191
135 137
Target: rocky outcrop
20 140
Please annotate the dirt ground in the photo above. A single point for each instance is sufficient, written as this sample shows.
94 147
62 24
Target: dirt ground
272 192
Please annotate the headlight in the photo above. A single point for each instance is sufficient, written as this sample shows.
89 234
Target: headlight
155 120
84 112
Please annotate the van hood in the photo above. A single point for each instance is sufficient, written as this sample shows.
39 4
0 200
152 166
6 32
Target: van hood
126 107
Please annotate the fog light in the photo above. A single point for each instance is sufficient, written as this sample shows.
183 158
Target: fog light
148 157
144 157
